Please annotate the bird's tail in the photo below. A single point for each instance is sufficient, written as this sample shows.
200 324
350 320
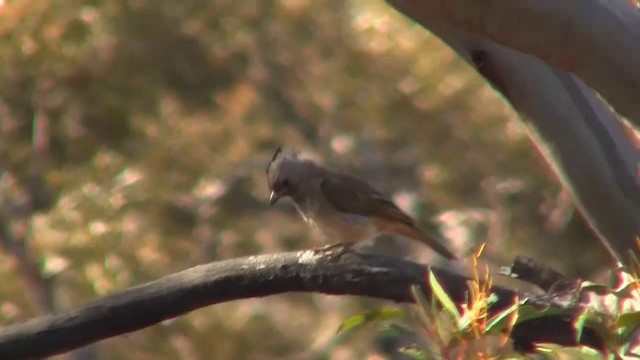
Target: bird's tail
431 241
414 233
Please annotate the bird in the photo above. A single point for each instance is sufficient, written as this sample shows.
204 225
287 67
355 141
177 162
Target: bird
342 206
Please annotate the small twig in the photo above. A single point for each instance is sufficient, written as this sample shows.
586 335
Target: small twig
533 272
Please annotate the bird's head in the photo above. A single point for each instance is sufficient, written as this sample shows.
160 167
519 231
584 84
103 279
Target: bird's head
284 173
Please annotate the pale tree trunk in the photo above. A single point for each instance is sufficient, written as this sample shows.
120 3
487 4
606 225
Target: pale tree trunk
512 44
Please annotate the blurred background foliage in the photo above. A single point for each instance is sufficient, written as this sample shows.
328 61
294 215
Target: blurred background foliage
135 135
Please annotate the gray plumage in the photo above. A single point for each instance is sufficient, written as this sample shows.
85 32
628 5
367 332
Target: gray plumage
343 207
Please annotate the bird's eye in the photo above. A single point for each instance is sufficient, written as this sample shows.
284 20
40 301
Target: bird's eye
281 186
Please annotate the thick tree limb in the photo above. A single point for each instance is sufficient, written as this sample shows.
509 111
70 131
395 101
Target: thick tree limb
577 133
256 276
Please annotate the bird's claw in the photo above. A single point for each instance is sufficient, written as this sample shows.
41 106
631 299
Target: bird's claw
333 251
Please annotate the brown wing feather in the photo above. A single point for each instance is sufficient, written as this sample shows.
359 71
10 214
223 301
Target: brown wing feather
412 232
352 195
355 196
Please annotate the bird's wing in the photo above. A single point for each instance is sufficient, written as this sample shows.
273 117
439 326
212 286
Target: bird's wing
350 194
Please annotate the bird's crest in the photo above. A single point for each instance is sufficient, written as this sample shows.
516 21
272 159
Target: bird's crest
276 161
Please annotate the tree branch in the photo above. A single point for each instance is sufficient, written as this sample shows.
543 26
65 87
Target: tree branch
256 276
533 272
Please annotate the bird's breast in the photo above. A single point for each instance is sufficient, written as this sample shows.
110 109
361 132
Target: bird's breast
308 219
341 227
335 225
348 228
306 213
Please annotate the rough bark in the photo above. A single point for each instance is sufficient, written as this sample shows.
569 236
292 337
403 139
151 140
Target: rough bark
257 276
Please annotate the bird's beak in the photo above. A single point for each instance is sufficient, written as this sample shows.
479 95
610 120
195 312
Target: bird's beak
273 198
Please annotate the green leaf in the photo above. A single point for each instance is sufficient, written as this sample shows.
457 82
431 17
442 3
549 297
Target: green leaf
444 299
554 351
595 320
368 317
414 353
580 322
631 319
465 323
627 324
422 302
493 298
627 288
500 320
527 312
